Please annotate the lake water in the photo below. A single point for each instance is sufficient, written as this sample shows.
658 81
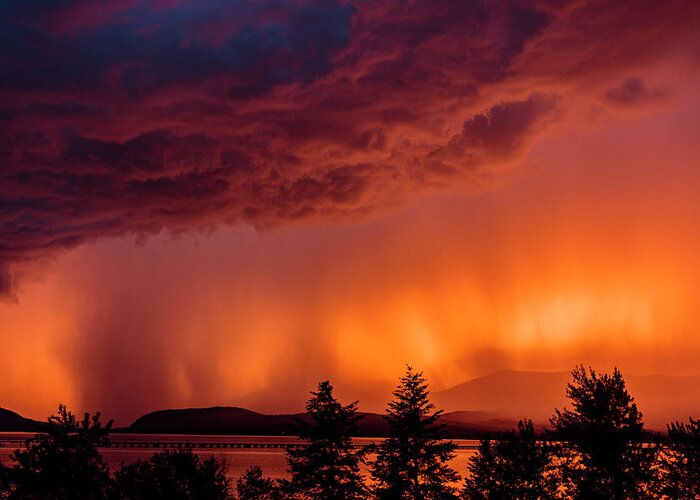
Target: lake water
272 460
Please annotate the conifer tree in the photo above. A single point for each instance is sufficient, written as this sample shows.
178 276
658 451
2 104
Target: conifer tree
62 461
513 466
412 463
253 485
328 467
681 477
172 475
602 436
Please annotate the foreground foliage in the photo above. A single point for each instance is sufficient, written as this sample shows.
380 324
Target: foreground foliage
514 466
172 475
413 461
594 449
252 485
602 435
61 462
328 467
681 463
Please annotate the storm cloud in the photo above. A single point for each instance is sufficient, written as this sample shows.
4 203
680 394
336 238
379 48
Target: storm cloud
128 118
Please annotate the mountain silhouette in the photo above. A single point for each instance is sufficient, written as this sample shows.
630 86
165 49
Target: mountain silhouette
14 422
240 421
520 394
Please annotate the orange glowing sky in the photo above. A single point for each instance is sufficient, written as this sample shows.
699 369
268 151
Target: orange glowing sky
568 232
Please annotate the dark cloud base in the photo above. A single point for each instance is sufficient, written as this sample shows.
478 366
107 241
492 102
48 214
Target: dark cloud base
127 118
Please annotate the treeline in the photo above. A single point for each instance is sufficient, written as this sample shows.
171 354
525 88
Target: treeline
596 448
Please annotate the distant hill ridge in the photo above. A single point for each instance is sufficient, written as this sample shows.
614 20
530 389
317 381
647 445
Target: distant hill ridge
479 406
661 398
14 422
234 420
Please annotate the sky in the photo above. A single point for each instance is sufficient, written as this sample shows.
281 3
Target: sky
225 202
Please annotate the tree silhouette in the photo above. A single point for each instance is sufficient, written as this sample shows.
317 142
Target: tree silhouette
328 467
252 485
681 467
602 435
172 475
62 461
5 481
514 466
413 461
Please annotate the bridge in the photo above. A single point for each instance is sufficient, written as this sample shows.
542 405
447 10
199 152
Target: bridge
201 445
